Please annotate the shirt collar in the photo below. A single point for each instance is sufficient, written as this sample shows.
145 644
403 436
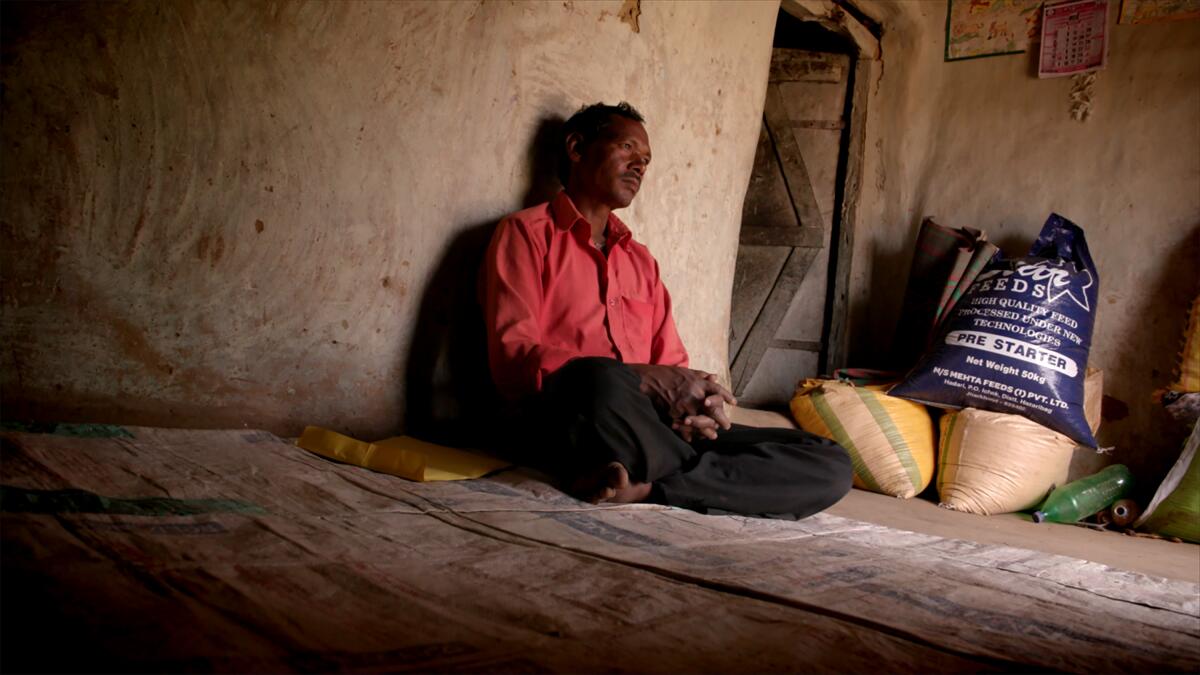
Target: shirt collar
566 216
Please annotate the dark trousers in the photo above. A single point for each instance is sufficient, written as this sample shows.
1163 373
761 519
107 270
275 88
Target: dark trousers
592 412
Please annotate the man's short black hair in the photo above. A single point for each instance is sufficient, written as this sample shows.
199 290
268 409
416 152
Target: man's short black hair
588 122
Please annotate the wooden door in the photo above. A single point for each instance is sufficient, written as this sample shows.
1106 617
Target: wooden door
779 293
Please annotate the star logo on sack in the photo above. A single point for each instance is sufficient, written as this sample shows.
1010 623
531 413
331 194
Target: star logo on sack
1058 282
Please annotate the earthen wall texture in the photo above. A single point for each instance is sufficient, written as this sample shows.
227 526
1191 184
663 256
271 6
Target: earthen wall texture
236 214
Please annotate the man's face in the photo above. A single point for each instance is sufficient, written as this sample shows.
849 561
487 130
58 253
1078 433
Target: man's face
610 169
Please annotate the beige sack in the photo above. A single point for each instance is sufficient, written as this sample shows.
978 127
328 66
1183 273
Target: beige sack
991 463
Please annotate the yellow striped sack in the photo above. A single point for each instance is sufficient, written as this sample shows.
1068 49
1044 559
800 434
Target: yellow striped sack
890 440
1189 357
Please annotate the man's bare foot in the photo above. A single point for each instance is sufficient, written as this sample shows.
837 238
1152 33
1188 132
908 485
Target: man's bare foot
610 483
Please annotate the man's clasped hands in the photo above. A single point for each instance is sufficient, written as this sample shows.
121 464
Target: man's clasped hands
693 399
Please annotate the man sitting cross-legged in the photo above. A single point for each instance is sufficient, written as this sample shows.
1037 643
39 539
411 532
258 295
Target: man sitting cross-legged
581 339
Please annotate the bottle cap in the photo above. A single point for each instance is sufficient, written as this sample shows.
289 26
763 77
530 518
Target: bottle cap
1039 516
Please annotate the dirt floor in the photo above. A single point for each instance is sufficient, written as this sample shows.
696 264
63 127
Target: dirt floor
1149 556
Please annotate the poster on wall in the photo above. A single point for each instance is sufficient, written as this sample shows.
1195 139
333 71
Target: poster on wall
1074 37
1149 11
977 28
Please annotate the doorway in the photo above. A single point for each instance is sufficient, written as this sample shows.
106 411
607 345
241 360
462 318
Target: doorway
787 276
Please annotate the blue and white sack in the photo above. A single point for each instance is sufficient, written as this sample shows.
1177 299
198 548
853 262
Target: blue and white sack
1018 340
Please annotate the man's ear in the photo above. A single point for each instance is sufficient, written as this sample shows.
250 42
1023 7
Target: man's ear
574 143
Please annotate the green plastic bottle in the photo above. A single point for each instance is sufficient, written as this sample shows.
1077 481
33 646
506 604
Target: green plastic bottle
1083 497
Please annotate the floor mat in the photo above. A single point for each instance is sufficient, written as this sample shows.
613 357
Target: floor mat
185 550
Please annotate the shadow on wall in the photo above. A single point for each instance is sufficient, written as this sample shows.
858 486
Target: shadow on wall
878 314
448 392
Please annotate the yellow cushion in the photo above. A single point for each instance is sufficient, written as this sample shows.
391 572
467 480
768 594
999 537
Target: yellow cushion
402 456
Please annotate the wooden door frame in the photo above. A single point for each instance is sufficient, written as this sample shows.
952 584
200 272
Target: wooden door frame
841 243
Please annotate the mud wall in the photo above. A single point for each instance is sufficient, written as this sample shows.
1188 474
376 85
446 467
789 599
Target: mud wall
228 214
984 143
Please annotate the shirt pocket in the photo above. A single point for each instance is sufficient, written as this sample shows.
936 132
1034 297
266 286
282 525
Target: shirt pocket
639 329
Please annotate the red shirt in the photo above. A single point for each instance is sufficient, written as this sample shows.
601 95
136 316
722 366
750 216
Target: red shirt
551 296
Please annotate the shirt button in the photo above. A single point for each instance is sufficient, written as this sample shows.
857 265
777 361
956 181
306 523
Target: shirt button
613 303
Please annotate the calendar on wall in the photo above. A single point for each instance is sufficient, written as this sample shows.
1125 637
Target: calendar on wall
1074 37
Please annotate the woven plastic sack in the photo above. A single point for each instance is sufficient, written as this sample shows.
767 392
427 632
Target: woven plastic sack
991 462
1018 340
890 440
1175 509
